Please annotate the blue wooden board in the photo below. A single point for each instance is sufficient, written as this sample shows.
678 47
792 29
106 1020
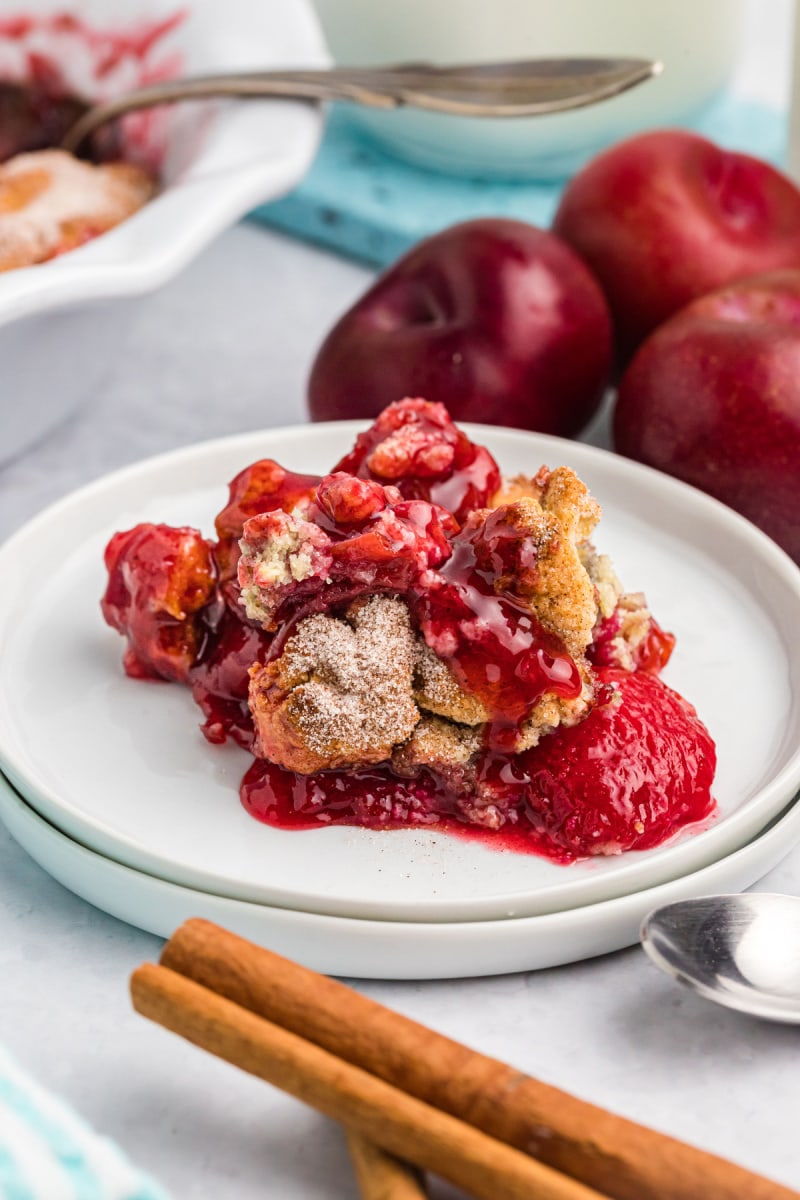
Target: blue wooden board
361 202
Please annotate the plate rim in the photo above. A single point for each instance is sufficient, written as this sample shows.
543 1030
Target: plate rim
47 800
436 940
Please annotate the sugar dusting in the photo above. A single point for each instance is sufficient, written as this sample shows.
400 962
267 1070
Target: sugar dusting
359 671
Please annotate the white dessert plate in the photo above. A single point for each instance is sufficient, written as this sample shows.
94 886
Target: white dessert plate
386 949
120 765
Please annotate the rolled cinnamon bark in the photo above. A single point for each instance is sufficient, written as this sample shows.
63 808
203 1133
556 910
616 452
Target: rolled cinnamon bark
615 1156
482 1166
383 1176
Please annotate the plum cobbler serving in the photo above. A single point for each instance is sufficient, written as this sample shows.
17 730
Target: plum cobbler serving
413 640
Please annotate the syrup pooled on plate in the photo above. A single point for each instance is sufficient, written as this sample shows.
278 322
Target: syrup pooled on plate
623 779
413 641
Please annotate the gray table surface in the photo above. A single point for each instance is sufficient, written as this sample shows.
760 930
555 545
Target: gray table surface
217 351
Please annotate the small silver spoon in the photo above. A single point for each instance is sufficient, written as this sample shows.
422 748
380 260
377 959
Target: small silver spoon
740 951
504 89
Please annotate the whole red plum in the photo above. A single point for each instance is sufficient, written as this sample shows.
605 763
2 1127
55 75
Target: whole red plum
667 216
498 320
713 397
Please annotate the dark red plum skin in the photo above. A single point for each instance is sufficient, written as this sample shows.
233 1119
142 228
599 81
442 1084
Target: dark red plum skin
713 398
498 320
668 216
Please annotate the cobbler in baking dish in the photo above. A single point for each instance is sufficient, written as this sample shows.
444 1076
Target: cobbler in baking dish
51 203
54 66
413 640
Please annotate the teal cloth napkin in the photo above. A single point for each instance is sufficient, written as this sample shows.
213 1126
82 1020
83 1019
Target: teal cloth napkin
48 1152
361 202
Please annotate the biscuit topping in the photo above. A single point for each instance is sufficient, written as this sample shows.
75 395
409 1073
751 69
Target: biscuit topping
393 661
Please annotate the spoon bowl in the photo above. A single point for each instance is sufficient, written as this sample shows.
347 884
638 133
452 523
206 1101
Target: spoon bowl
741 951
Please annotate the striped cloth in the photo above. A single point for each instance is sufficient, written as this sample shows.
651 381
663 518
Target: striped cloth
47 1152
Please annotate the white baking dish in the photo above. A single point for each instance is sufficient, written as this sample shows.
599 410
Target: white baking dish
219 161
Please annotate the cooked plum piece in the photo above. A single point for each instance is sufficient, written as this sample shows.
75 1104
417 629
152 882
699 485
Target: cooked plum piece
414 445
633 772
262 487
160 579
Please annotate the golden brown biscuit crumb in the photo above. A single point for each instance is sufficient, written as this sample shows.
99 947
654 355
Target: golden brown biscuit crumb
340 694
437 691
439 744
559 520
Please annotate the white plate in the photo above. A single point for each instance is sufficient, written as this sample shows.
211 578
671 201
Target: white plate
385 949
120 765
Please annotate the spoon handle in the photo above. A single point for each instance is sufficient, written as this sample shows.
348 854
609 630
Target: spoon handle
526 88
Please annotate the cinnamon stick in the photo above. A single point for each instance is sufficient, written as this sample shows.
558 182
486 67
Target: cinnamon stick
406 1127
382 1176
618 1157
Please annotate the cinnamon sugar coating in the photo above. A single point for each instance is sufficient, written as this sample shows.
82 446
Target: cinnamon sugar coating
340 694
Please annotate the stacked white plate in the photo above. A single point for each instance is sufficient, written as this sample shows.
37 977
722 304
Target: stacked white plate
114 791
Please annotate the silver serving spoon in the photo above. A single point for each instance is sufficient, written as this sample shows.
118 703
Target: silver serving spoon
740 951
504 89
